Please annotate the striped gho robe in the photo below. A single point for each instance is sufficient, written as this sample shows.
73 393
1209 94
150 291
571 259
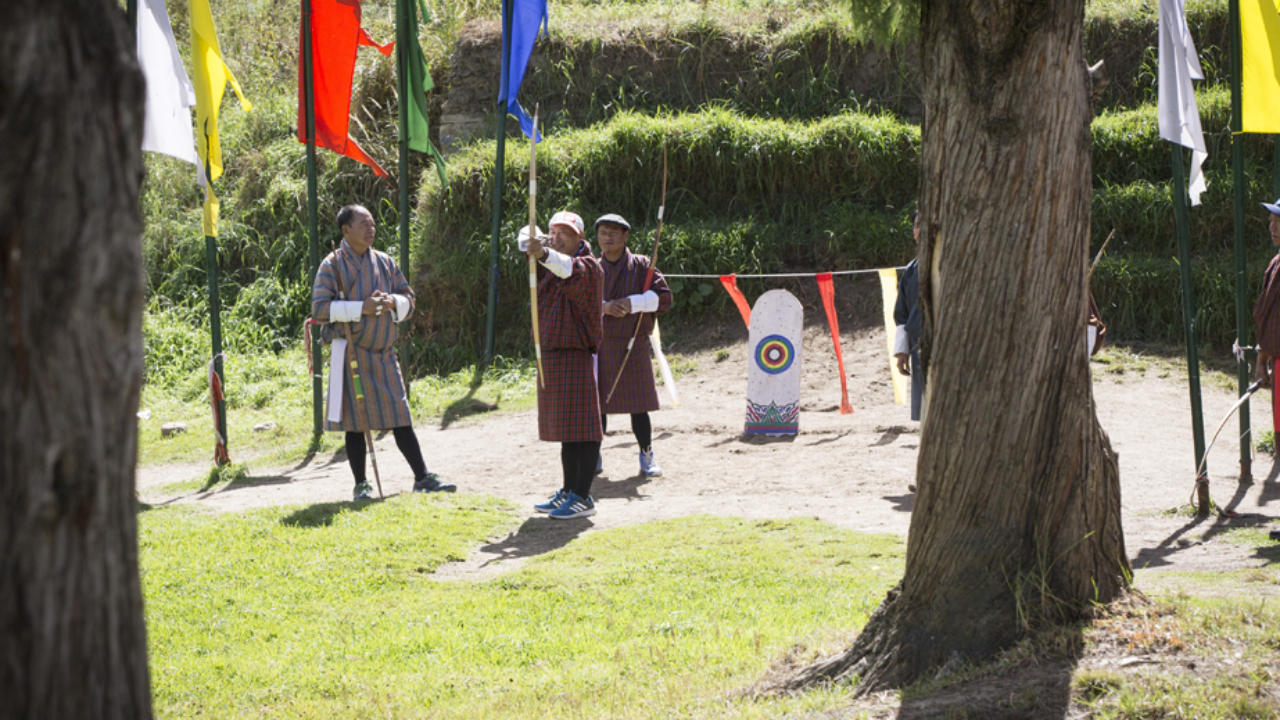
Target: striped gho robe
385 404
636 392
569 323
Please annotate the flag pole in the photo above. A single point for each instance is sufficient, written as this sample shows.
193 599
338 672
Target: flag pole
1179 191
403 27
1244 320
499 165
215 316
313 221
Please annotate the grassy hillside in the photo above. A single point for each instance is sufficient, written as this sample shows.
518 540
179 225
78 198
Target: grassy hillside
783 152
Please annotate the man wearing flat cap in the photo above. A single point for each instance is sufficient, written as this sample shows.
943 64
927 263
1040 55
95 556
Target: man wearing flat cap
627 302
569 298
1266 313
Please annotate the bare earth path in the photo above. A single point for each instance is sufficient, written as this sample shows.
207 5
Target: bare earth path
850 470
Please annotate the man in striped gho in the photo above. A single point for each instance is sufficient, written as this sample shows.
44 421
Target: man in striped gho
627 302
569 298
359 296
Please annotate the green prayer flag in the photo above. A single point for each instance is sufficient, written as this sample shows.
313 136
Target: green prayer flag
419 84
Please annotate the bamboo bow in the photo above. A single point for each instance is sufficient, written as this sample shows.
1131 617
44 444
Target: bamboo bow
648 278
533 264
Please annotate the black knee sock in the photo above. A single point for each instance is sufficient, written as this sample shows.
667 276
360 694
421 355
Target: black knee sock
407 441
578 460
604 423
355 455
643 430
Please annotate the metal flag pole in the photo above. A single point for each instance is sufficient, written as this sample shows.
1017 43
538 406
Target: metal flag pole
499 165
313 203
215 322
1179 190
403 57
1244 320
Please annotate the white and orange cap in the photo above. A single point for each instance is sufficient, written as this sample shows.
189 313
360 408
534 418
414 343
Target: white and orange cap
564 217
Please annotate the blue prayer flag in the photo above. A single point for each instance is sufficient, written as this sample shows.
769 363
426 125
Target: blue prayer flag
522 22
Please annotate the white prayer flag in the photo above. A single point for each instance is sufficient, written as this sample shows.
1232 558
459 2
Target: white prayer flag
1179 116
170 95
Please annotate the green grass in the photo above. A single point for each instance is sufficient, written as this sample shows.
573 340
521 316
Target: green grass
1217 660
329 612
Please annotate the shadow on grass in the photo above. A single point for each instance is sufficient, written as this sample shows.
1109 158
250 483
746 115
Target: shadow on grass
536 536
1033 691
322 514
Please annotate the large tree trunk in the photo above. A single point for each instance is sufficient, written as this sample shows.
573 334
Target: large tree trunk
1017 520
72 638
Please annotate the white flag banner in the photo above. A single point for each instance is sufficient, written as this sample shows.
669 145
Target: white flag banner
1179 116
170 95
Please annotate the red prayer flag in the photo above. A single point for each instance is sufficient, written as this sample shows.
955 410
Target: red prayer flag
335 35
730 283
828 293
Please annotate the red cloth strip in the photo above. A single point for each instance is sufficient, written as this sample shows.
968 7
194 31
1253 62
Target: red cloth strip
828 292
730 283
335 35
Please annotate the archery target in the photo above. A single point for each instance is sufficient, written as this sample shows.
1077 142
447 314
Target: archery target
773 370
774 354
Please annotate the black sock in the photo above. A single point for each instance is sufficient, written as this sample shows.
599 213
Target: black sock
604 423
578 460
643 429
355 455
407 441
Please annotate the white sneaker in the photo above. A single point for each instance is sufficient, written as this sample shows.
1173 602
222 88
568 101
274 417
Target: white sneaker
648 465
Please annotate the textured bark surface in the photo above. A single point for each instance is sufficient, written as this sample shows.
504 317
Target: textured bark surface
1018 516
72 637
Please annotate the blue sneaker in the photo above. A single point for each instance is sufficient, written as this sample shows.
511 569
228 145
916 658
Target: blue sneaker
556 501
599 464
574 507
648 465
364 491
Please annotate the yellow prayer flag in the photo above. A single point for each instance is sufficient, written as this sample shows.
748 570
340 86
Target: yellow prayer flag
889 289
210 78
210 213
1260 76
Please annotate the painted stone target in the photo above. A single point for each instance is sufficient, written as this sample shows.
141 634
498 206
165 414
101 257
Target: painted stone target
773 369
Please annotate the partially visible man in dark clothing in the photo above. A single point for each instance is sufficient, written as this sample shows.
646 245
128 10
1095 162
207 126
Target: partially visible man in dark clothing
1266 315
906 315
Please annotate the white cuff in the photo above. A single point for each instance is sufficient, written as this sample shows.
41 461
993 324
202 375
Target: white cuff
646 302
403 308
901 346
345 310
559 264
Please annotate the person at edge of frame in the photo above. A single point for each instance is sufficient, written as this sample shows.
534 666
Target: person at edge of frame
360 295
1266 315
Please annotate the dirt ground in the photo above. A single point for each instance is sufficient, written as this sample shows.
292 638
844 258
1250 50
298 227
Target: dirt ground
850 470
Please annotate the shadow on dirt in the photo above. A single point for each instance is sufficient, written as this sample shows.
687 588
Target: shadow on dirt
1210 527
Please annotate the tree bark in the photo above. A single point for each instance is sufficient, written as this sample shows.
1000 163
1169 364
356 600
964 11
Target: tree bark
1017 520
72 636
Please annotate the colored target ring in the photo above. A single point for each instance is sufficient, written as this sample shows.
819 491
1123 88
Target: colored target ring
775 354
